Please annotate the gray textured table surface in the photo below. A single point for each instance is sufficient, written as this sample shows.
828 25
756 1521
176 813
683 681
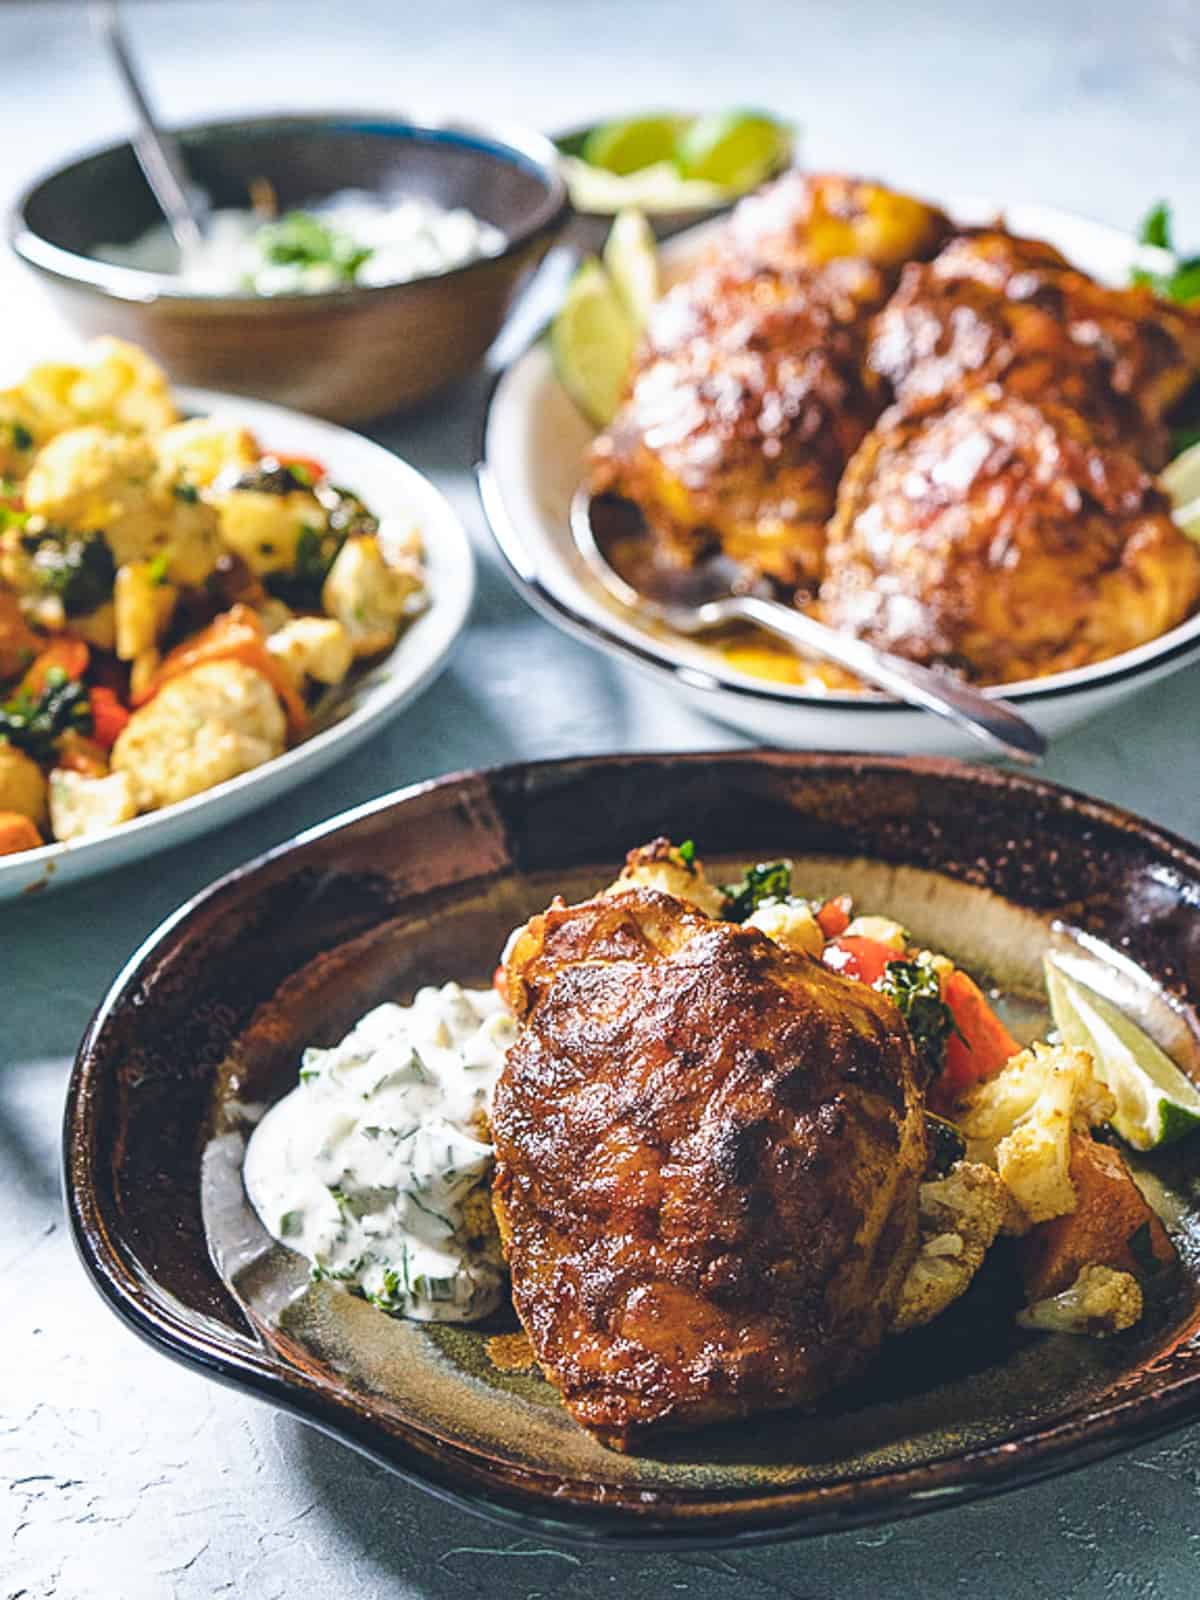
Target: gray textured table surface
125 1478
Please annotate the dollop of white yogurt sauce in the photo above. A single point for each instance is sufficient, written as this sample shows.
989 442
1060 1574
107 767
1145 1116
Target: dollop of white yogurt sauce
407 239
372 1166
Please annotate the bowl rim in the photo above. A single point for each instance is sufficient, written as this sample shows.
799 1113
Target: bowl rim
1170 650
615 1522
508 142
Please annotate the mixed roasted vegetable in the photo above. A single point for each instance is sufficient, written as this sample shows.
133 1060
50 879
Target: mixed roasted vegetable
1019 1138
173 599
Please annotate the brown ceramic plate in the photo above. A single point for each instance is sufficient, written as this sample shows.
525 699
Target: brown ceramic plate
211 1014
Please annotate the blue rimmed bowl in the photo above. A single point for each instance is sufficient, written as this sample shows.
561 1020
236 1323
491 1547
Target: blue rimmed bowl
346 354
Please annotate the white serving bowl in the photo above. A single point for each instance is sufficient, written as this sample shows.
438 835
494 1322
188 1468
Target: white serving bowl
534 444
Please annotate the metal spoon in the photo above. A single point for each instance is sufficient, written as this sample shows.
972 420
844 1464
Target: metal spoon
715 592
158 152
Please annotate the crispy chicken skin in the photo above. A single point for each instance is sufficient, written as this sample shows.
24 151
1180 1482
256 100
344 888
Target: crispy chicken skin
806 220
995 307
747 399
750 390
1001 537
708 1153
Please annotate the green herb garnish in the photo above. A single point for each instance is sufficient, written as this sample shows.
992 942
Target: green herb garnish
187 493
301 240
77 567
34 723
769 880
21 437
916 990
1183 282
687 852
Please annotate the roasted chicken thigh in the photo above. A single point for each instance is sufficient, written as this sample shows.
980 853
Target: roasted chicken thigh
1003 538
708 1153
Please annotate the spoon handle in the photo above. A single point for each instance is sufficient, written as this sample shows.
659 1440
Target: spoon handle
158 151
992 722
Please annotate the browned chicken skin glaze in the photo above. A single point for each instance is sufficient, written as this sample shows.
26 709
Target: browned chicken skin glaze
998 517
751 389
708 1151
992 307
1005 539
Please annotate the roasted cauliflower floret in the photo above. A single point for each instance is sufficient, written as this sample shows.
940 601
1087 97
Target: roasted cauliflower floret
661 865
960 1216
266 529
1100 1301
123 387
142 607
371 596
1021 1122
90 478
81 804
313 647
790 923
204 726
22 786
199 450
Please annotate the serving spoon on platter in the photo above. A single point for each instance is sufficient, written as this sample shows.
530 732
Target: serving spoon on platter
158 152
716 592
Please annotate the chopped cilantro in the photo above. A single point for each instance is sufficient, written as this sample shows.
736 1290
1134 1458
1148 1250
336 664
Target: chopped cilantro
157 572
187 492
21 437
77 567
290 1223
687 852
769 880
1182 283
916 990
35 723
301 240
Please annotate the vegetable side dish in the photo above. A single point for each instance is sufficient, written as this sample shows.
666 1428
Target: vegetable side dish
741 1139
944 440
173 599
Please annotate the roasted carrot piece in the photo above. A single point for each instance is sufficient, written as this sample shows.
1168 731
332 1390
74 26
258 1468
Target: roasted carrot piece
833 918
78 753
18 642
986 1043
1110 1211
17 833
236 635
109 716
66 655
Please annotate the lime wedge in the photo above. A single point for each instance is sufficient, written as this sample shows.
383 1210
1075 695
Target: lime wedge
592 341
1181 480
735 149
631 257
625 147
1155 1102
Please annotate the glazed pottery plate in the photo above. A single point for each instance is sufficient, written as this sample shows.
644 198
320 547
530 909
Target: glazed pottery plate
533 457
206 1025
400 497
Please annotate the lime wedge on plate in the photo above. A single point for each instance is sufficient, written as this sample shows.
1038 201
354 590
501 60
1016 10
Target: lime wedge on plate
592 341
1155 1102
631 258
735 149
625 147
1181 480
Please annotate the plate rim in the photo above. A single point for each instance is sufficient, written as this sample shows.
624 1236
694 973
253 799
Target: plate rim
36 871
1169 650
576 1517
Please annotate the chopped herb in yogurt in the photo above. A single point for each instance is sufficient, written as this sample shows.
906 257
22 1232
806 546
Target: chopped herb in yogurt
376 1167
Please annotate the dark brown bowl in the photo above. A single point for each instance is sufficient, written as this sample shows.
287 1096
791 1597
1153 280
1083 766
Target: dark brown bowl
212 1012
349 354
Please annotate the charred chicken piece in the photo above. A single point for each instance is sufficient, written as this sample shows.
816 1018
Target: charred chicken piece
747 399
708 1157
1003 538
994 307
806 220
